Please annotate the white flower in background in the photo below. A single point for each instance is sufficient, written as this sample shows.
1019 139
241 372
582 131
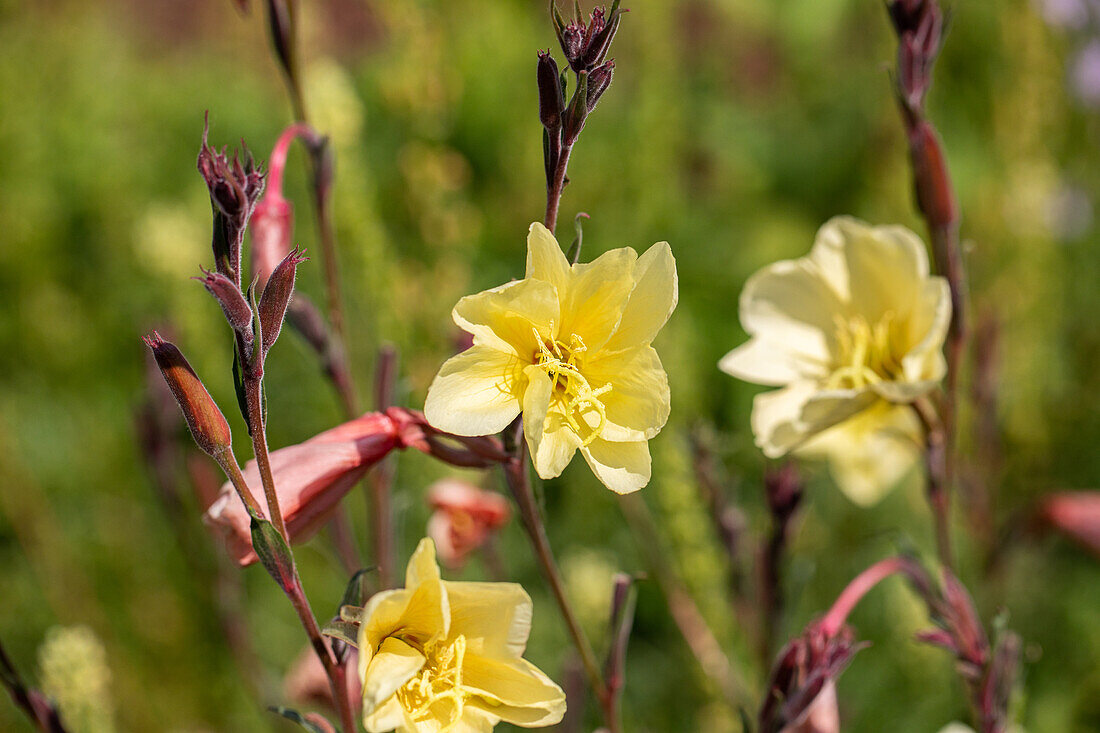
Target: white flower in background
857 323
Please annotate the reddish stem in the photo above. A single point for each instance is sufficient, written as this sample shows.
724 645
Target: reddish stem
834 620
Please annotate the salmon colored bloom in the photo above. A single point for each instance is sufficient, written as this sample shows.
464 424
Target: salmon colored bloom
464 518
569 347
857 322
448 656
312 477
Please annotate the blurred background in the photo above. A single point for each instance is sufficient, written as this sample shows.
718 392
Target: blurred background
733 129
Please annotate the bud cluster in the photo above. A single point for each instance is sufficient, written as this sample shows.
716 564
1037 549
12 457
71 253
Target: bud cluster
585 46
919 25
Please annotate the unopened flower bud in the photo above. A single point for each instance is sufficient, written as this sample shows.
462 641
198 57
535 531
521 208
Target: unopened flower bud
233 303
276 297
577 112
234 189
586 47
282 34
551 99
598 81
207 423
935 196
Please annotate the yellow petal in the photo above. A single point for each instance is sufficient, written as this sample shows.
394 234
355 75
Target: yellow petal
928 326
785 418
495 618
422 567
792 306
545 260
516 691
387 717
870 453
593 303
476 392
381 617
550 440
621 467
503 317
766 362
395 664
875 269
637 406
651 302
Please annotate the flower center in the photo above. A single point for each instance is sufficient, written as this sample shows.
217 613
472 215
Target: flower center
866 354
440 680
576 396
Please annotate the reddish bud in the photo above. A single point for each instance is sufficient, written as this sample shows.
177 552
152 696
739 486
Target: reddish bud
551 98
1076 515
207 423
464 519
598 82
234 189
276 298
586 46
231 299
281 26
272 227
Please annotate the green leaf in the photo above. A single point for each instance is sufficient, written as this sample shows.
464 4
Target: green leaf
354 594
238 387
345 631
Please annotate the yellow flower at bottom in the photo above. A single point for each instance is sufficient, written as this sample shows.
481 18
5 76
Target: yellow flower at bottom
569 347
447 657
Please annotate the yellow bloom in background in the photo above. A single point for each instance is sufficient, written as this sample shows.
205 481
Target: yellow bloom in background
857 322
569 347
444 656
872 452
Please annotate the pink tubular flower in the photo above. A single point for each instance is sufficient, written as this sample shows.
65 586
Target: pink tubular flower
312 477
1075 514
464 518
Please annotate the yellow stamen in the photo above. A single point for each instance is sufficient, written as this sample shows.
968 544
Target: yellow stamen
440 679
560 362
865 353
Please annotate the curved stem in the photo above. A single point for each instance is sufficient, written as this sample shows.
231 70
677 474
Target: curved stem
834 620
253 389
515 474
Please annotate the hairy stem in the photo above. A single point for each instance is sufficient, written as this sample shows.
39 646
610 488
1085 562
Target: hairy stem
556 188
253 389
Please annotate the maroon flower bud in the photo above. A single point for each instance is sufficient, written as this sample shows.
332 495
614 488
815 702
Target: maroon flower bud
272 228
598 82
276 297
282 34
551 98
577 112
234 189
207 423
783 490
803 679
935 197
233 303
586 47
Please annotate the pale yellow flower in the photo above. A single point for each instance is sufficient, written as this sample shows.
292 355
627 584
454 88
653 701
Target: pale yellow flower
871 453
438 656
856 322
569 347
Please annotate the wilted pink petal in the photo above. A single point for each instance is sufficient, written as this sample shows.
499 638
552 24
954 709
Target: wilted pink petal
1075 514
312 477
464 518
307 684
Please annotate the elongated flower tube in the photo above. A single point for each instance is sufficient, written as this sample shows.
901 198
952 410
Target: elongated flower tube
857 322
312 477
569 347
448 656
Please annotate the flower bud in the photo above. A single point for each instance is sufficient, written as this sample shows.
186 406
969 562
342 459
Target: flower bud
598 82
935 197
282 34
803 677
551 98
276 297
586 47
207 423
272 227
577 112
1076 515
234 189
231 299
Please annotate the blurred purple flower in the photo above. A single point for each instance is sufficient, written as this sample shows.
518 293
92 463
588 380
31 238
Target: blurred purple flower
1064 13
1085 74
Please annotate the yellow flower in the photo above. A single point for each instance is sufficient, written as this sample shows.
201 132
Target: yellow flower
440 656
569 347
872 452
857 322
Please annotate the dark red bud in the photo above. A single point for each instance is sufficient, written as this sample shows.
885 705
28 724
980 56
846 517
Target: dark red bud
276 297
233 303
207 423
600 35
935 196
282 34
598 81
577 112
551 99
